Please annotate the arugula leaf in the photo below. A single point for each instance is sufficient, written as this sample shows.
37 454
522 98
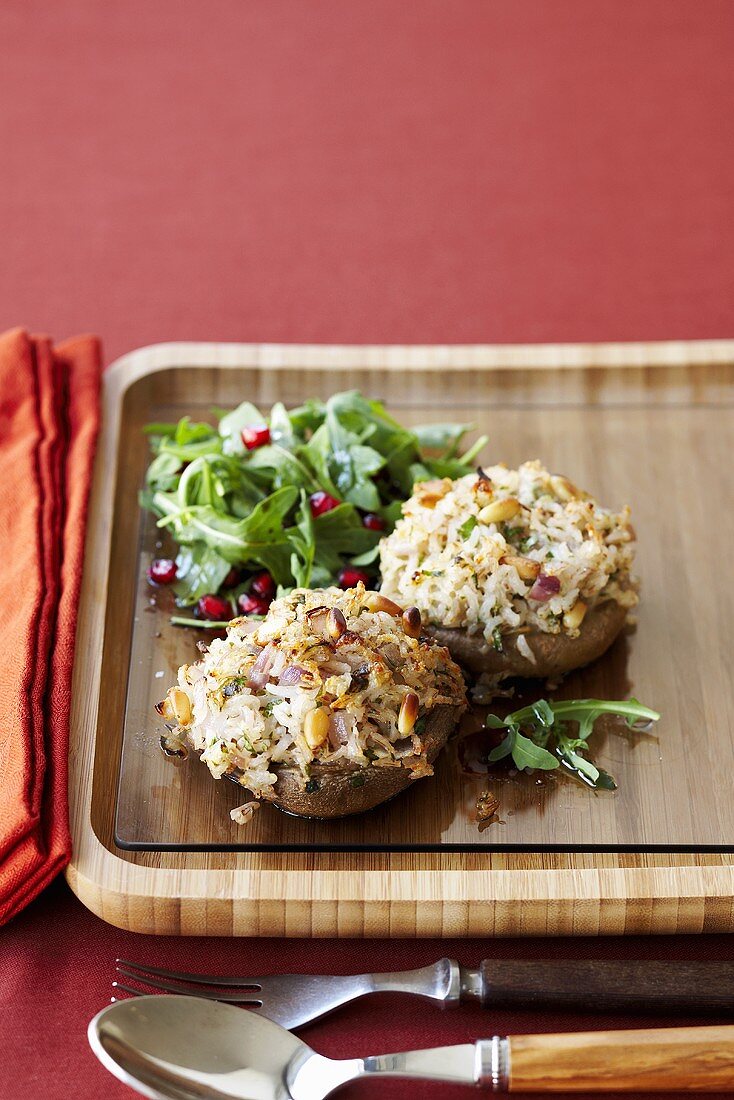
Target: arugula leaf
455 467
284 467
231 425
160 429
315 455
341 532
304 545
350 462
368 557
527 754
391 513
444 438
259 539
163 472
281 429
199 569
504 748
202 624
307 417
530 729
187 431
187 452
401 462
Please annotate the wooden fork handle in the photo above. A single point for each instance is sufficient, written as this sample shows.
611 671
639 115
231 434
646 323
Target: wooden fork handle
691 1059
590 985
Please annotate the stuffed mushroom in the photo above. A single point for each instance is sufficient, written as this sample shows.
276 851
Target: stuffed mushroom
518 572
333 703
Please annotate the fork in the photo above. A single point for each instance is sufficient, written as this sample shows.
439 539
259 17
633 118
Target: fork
294 999
572 985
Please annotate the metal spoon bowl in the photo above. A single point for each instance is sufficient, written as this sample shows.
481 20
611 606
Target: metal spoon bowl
185 1048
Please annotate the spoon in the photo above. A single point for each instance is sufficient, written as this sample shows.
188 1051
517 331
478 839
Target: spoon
185 1048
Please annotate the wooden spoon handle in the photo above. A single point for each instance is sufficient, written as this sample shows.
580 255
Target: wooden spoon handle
595 986
691 1059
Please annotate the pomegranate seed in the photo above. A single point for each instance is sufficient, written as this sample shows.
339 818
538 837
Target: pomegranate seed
232 578
215 608
162 571
349 577
373 522
255 435
262 584
322 502
253 605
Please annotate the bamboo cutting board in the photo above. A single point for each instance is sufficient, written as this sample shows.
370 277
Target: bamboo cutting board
154 849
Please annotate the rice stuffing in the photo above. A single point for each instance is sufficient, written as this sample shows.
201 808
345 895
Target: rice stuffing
504 551
328 676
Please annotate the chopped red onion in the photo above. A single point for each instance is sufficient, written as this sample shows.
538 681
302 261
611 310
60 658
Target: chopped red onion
260 672
544 588
338 729
290 676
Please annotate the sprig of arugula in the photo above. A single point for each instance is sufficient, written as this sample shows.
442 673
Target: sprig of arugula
548 735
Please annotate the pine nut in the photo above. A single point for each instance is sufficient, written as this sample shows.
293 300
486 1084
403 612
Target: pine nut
176 706
412 622
375 601
316 727
499 510
317 617
565 489
337 624
573 619
164 709
526 567
408 713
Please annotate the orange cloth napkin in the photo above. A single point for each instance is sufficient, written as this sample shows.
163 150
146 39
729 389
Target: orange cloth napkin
48 427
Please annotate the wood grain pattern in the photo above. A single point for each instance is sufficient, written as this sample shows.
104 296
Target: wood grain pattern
371 893
690 1059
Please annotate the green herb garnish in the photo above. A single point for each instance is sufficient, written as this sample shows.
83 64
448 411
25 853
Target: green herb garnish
467 527
497 639
542 735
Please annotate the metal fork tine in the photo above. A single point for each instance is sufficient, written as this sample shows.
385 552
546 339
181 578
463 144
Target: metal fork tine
133 969
229 996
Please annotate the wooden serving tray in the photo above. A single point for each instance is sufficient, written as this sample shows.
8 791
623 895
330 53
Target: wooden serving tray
648 423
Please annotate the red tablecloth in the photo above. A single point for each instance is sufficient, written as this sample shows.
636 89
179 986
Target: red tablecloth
57 965
366 172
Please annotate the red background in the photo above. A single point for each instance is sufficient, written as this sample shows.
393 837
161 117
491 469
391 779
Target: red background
367 172
358 172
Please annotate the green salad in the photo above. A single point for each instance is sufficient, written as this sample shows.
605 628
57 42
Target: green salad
294 498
